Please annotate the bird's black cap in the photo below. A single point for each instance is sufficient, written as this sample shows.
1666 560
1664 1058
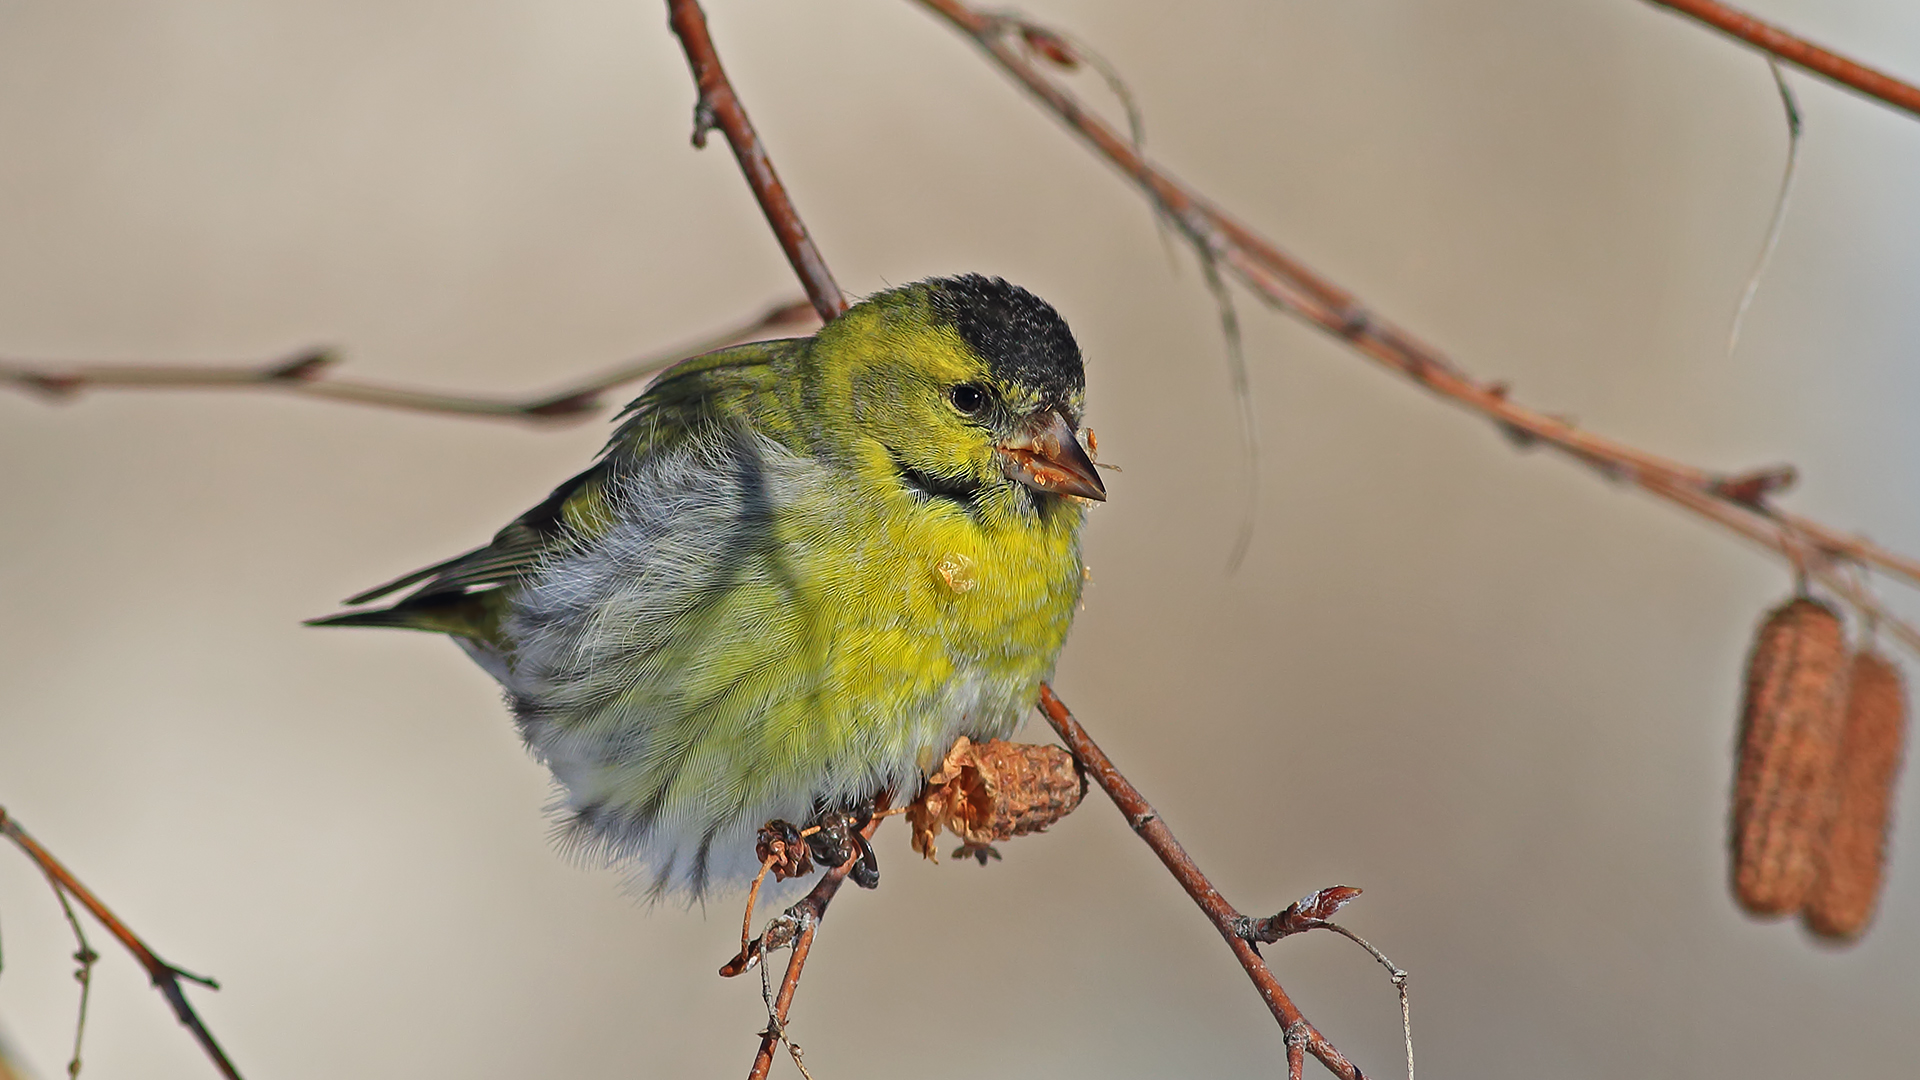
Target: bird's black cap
1023 340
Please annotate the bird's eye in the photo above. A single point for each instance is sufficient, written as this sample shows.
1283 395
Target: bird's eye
968 398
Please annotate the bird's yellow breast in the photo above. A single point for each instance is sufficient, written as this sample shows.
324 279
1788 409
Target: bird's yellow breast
913 596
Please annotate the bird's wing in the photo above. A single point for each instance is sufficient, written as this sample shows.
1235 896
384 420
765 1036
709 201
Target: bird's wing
460 595
674 675
737 385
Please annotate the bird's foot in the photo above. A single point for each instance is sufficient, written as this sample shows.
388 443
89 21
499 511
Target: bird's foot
840 839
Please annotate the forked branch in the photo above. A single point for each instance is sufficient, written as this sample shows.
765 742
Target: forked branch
720 106
166 977
796 927
1235 928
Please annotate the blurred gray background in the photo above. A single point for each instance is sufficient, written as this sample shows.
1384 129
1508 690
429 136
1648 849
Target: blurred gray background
1485 685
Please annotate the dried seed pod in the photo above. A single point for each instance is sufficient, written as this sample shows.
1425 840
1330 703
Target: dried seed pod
781 850
994 791
1853 859
1789 738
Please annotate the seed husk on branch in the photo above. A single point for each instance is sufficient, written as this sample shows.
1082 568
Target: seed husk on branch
991 791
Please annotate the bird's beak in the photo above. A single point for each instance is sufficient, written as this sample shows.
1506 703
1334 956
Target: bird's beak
1046 456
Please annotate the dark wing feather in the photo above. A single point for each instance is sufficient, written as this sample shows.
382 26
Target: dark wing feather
414 578
455 596
446 600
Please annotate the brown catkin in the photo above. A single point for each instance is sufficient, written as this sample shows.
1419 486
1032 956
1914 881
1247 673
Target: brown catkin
995 790
1789 740
1853 859
1027 788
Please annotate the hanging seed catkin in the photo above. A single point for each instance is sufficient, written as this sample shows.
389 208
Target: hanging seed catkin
1789 738
1853 858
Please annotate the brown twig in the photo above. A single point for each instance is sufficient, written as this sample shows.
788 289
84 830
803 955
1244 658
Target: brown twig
166 977
1799 52
84 958
1810 556
720 107
1312 912
795 926
746 921
306 374
1230 923
1777 225
1288 284
809 911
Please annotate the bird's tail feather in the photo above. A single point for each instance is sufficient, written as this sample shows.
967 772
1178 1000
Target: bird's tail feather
462 615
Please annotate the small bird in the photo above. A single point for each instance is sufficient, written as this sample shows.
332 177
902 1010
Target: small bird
800 570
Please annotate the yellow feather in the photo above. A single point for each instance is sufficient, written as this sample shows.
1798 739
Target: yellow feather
799 573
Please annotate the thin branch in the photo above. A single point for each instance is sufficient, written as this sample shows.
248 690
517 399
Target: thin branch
85 958
1066 52
809 911
1286 283
720 107
1313 912
1799 52
166 977
1406 1018
778 1027
796 926
1780 203
1242 386
306 374
1229 922
1806 552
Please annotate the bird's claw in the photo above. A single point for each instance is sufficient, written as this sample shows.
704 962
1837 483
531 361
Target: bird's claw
866 865
839 840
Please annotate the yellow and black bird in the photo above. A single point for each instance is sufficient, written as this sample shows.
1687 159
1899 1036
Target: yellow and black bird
799 572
